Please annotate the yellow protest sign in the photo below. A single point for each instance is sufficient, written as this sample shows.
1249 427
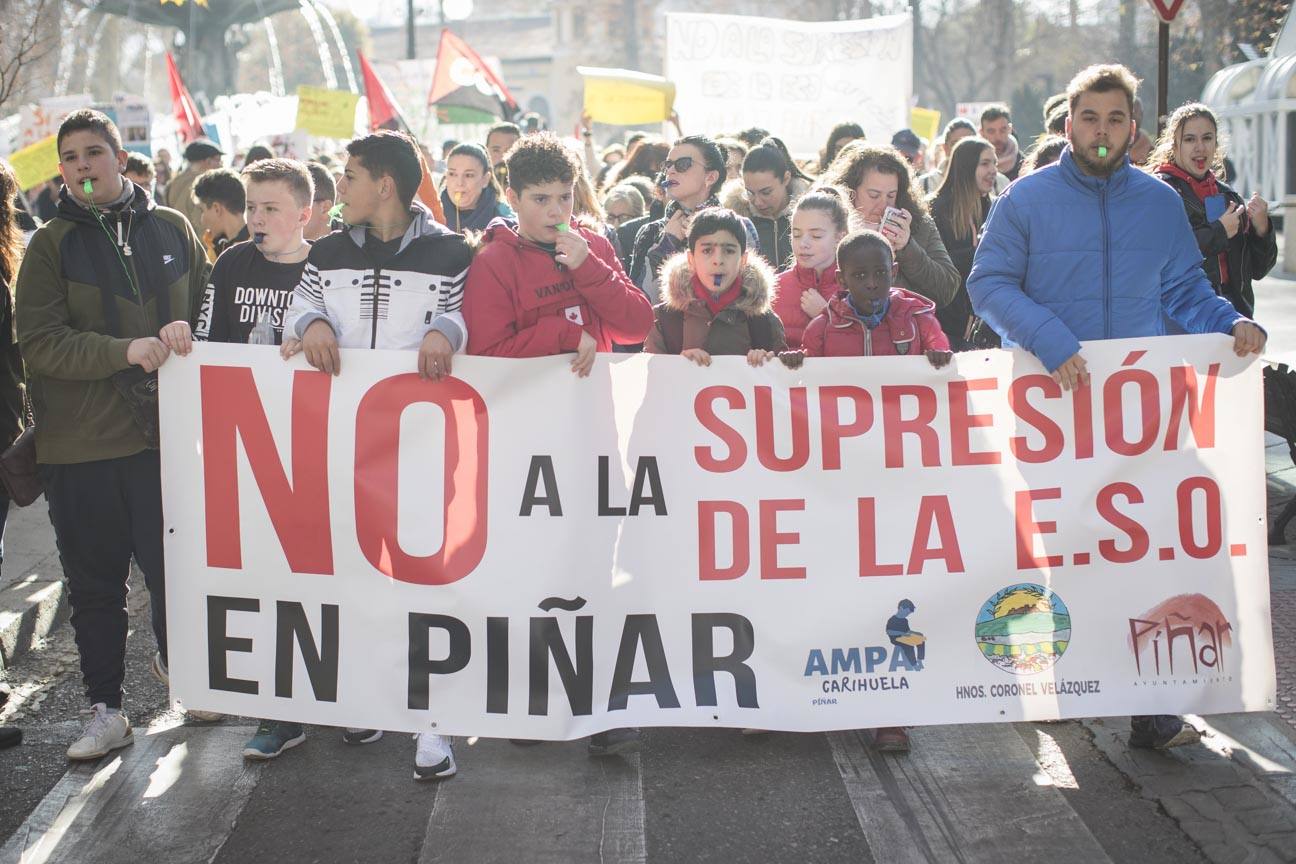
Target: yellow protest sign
925 123
625 98
326 113
36 163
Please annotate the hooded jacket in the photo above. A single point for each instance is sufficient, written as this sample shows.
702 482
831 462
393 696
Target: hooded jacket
909 328
1066 257
787 304
488 207
523 303
775 233
652 246
77 312
395 305
749 322
1248 255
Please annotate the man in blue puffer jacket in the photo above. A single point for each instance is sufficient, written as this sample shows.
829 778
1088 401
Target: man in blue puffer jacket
1092 248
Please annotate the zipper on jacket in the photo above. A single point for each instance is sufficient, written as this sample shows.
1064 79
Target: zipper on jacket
1102 209
373 330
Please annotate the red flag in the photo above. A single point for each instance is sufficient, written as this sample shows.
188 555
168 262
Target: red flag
384 113
186 111
463 80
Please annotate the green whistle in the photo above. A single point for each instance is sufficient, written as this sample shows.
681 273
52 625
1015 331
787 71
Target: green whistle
335 212
1102 152
563 227
88 188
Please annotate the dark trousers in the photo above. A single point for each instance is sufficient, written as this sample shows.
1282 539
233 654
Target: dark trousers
104 513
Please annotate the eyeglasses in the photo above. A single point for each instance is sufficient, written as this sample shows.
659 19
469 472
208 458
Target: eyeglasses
680 165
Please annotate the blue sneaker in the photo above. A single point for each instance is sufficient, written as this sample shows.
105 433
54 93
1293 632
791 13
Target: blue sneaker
273 738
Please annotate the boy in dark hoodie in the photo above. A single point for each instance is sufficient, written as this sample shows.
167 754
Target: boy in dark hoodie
717 298
870 318
107 291
546 286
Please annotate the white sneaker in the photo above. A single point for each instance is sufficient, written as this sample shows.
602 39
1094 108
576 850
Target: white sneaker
163 674
433 757
107 730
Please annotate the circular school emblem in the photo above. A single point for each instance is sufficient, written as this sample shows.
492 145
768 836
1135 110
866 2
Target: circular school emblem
1023 629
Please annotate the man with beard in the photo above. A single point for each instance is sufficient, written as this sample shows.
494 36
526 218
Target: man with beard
1093 248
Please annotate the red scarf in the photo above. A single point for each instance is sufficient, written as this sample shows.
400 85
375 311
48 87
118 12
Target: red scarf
715 303
1203 188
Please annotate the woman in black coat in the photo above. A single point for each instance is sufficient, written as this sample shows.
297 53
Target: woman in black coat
1236 237
959 209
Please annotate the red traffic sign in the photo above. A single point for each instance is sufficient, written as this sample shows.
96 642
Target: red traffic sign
1167 9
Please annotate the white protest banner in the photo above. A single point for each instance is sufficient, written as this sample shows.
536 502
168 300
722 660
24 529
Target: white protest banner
800 78
516 552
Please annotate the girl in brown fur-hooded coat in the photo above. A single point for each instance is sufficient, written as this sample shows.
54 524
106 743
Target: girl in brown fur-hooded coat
717 297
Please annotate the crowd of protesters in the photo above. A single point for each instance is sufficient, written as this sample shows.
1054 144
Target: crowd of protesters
702 246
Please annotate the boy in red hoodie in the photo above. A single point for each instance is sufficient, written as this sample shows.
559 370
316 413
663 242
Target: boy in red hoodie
870 317
546 286
549 287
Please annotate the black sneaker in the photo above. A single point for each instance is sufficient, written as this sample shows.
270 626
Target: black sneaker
10 737
361 736
1161 732
613 742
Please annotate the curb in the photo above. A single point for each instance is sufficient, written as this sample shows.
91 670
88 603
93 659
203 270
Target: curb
34 603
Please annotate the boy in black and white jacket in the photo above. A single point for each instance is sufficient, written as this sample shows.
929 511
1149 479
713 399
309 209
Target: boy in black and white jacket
394 279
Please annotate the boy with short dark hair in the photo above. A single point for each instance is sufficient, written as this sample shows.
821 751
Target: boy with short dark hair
546 286
106 292
500 138
220 195
322 203
717 298
395 279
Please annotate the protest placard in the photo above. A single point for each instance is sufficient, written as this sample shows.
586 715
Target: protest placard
925 123
327 113
799 78
35 163
517 552
625 98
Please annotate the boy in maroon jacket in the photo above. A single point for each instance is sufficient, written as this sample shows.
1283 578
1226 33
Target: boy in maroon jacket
546 286
549 287
871 318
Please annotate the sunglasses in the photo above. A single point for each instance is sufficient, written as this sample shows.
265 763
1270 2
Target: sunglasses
680 165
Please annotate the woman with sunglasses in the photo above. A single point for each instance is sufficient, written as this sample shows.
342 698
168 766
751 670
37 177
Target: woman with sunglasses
691 176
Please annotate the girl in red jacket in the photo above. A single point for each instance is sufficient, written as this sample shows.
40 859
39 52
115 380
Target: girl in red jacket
819 222
870 317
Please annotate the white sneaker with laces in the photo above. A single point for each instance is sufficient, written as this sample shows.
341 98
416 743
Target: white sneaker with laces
107 730
163 674
433 757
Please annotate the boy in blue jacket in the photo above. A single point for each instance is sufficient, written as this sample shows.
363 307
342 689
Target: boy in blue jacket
1092 248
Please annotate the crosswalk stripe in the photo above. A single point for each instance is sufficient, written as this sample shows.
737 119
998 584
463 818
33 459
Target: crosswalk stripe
968 794
547 802
171 796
